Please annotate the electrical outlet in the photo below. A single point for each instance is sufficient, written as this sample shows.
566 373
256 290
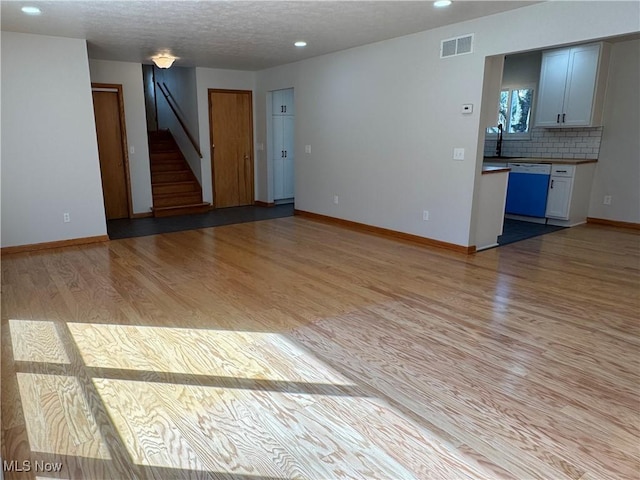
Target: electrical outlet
307 149
607 200
458 153
425 215
335 199
66 217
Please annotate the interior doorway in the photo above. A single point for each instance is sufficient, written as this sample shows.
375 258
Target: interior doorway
231 134
108 108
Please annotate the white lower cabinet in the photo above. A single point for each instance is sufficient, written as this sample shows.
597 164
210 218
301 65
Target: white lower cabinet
568 195
560 187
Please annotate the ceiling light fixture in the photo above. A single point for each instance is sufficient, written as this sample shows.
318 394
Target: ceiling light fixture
300 44
163 60
31 10
442 3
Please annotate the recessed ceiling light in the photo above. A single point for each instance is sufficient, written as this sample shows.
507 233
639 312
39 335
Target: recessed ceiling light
300 44
31 10
442 3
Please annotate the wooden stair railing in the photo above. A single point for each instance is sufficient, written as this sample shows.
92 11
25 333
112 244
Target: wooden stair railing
167 95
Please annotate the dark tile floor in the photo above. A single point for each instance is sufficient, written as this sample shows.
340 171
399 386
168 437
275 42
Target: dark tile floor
516 230
140 227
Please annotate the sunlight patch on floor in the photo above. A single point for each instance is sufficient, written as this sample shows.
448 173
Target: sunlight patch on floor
211 401
213 353
58 418
36 341
251 432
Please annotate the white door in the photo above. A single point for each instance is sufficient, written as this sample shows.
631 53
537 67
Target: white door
278 156
581 81
288 165
282 151
553 79
558 197
287 101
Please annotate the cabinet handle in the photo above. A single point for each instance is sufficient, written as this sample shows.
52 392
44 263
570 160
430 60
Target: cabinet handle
281 153
563 115
285 154
551 184
285 109
561 171
558 119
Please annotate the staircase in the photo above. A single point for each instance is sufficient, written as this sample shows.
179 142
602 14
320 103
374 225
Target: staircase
176 190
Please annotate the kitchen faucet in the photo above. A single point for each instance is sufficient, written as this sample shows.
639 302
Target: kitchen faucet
499 141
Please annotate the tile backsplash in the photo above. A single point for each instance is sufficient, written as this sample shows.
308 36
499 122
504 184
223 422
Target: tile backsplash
551 143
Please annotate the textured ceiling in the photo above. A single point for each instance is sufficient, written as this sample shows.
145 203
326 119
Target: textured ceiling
242 35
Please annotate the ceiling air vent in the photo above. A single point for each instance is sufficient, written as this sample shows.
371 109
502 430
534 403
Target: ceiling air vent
456 46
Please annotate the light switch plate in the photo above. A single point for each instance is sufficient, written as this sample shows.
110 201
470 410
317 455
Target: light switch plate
458 153
467 108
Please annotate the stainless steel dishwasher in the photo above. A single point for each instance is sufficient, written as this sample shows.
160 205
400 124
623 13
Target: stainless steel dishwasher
527 189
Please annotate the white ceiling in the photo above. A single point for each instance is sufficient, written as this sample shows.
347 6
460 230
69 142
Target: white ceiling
242 35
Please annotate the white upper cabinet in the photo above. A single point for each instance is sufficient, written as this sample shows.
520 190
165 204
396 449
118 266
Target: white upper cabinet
282 102
572 84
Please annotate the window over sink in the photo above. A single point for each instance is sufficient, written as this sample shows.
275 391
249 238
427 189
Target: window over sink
515 112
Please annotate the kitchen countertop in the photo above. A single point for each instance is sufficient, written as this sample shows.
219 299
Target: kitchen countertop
486 169
555 161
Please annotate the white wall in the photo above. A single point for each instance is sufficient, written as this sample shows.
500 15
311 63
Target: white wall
618 168
129 75
49 149
383 119
181 83
207 78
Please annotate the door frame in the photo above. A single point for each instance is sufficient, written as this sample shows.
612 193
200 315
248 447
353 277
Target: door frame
110 87
212 146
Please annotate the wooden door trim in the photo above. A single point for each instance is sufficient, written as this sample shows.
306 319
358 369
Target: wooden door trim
212 148
125 143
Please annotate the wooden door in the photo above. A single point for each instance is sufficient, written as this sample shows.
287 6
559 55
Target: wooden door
111 149
231 133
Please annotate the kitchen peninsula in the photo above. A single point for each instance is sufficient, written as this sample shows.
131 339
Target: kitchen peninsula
567 185
568 191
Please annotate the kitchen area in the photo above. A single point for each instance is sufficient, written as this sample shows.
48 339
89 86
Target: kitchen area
541 152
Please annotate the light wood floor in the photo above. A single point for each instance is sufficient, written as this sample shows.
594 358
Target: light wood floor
293 349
